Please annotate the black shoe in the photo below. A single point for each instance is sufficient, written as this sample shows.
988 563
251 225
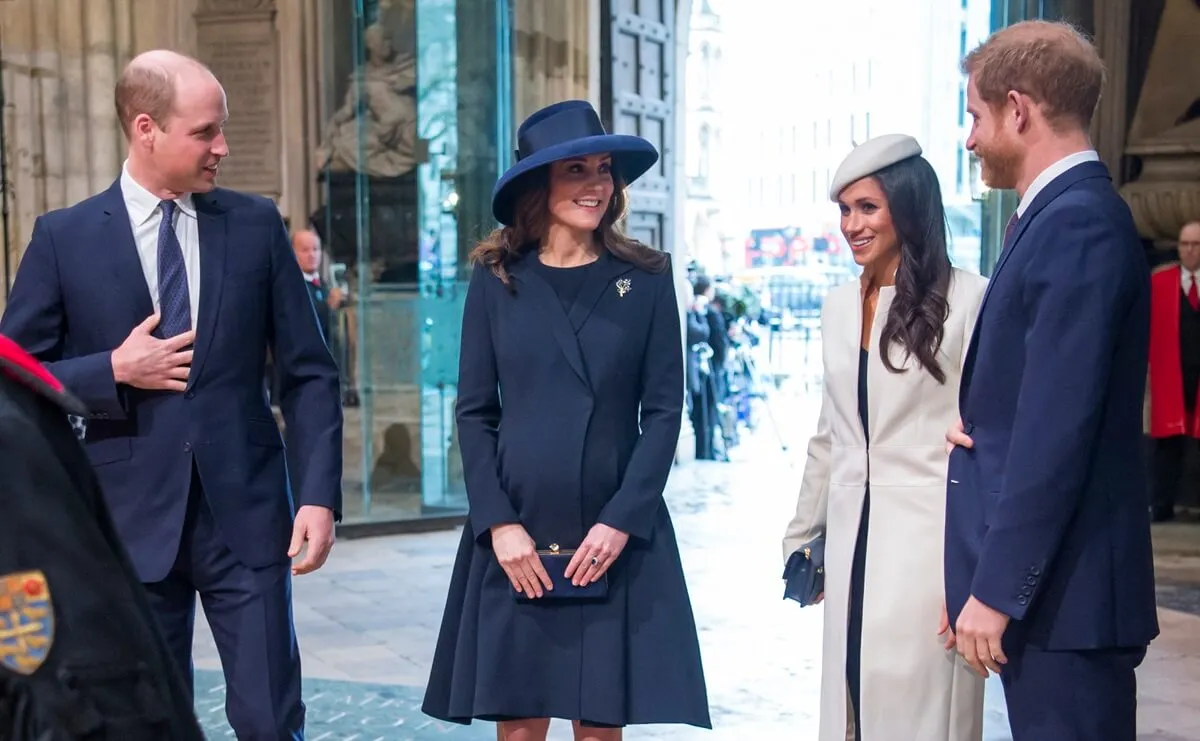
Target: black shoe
1160 513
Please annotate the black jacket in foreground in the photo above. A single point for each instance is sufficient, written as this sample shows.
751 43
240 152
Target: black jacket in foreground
80 656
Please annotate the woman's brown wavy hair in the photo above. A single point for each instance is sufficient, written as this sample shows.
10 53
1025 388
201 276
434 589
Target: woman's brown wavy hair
504 246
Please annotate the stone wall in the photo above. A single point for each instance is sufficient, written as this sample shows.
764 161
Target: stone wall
61 59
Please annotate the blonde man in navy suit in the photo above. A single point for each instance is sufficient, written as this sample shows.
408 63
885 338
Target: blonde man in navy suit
1049 567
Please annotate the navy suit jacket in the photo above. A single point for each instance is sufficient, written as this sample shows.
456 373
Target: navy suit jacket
78 293
1047 516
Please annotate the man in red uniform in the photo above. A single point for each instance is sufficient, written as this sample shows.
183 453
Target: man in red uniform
1174 368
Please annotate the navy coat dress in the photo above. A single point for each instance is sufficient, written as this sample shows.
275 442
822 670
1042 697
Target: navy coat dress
562 453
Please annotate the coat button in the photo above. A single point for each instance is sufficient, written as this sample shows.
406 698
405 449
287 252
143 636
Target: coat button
1023 600
187 447
190 395
1035 571
968 428
1030 580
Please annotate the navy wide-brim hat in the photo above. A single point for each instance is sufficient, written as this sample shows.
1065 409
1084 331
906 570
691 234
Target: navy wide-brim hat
560 131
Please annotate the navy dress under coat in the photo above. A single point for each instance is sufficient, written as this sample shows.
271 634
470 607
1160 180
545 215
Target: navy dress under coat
564 454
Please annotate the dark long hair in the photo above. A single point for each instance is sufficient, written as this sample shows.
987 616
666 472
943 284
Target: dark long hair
918 312
504 246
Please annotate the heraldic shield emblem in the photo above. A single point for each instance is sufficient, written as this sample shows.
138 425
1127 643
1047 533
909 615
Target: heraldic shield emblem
26 621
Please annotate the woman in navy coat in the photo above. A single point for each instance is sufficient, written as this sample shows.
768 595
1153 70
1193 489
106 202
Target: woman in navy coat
570 400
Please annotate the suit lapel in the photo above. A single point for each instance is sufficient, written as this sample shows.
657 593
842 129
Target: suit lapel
565 326
540 292
1053 189
211 220
1005 251
124 261
602 278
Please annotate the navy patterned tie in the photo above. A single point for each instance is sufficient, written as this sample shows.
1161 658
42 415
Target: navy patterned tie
174 304
1009 229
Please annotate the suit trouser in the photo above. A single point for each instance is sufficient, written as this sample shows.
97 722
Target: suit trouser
1170 455
250 614
1072 695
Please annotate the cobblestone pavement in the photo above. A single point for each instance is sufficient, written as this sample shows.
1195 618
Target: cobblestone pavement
368 620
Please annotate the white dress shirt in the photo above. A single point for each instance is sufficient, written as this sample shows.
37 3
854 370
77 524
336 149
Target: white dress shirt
1186 279
1051 172
145 216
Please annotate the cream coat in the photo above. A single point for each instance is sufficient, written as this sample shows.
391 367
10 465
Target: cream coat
912 688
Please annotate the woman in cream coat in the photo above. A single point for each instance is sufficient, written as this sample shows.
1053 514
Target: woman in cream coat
875 481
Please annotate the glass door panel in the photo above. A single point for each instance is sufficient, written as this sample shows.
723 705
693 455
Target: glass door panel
414 96
463 104
998 206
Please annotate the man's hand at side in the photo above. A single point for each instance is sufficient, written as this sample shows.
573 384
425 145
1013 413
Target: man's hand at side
978 633
313 524
146 362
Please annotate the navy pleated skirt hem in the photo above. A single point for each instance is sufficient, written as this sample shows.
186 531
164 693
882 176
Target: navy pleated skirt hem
632 659
486 717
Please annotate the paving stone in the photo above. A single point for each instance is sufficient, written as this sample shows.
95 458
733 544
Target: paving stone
368 620
346 711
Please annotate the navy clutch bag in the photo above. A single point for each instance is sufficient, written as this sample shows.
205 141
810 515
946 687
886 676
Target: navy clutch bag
554 561
804 573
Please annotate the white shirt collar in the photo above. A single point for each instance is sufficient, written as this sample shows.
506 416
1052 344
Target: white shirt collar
1050 173
141 203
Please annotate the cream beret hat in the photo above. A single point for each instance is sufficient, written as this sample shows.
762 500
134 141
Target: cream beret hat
870 157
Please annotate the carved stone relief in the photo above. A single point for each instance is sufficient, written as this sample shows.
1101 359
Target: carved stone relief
375 129
1165 133
238 41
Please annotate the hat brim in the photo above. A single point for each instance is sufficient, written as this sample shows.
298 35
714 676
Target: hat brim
632 156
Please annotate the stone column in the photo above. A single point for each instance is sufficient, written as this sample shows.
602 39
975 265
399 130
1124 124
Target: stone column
177 22
298 86
237 39
477 124
61 60
1109 127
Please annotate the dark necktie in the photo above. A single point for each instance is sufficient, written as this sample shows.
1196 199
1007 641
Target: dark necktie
174 303
1010 228
1193 295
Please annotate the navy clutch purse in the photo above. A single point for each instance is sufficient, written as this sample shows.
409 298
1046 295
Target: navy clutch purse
804 573
554 561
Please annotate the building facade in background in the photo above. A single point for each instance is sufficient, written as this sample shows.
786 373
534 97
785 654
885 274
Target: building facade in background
894 70
707 180
383 125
